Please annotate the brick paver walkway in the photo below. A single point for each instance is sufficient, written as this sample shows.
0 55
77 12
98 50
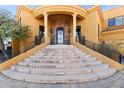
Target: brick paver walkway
116 81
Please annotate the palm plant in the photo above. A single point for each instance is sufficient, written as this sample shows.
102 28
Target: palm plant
21 33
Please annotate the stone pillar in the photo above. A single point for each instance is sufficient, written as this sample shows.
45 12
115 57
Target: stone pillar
74 27
46 28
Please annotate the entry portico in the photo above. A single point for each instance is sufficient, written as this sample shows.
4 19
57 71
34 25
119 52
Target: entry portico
54 19
59 22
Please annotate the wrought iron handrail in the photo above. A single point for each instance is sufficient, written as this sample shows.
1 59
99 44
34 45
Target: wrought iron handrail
2 57
102 49
10 53
5 54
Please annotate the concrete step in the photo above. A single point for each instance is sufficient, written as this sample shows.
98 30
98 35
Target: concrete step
49 79
51 71
52 65
65 63
59 54
56 70
106 73
37 78
56 60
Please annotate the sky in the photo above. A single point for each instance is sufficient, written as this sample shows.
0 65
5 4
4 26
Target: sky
12 8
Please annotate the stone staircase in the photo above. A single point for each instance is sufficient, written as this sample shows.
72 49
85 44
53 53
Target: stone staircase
59 64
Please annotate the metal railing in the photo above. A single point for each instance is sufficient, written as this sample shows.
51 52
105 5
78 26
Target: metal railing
54 42
10 53
102 49
2 57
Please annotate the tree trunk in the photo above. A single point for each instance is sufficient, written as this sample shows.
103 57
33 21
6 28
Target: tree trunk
16 49
2 44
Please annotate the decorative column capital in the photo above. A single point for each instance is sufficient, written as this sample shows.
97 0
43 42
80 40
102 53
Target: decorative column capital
45 14
74 15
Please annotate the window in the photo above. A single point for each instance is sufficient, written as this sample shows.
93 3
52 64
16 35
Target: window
118 21
41 31
115 21
111 22
78 31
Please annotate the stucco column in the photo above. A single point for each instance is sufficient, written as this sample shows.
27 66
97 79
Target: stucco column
74 27
46 27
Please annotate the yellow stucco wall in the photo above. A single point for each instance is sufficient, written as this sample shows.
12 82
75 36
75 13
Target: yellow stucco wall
28 19
114 35
59 9
90 27
115 12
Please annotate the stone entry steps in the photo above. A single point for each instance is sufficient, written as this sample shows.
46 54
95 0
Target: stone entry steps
59 64
37 78
79 70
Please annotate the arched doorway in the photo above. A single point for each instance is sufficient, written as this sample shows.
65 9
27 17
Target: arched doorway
60 25
60 38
